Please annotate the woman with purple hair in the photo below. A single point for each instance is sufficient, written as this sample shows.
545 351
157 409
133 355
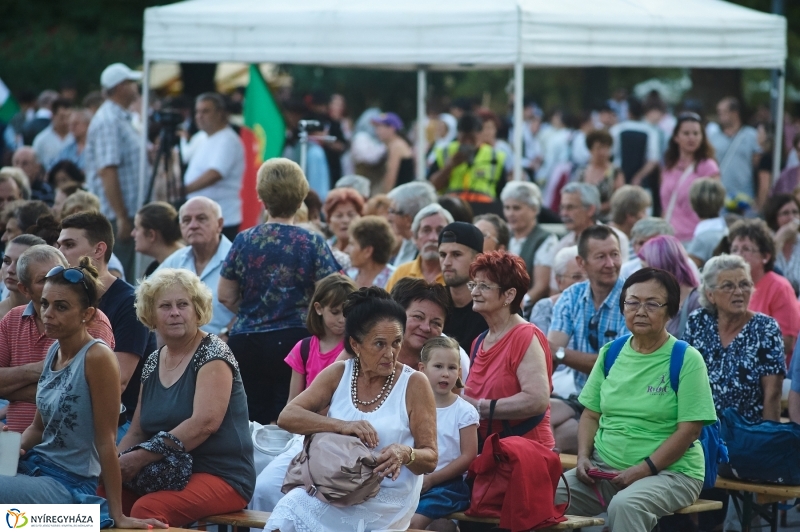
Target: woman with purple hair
666 253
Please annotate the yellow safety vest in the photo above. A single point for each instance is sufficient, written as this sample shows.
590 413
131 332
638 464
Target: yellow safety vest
478 181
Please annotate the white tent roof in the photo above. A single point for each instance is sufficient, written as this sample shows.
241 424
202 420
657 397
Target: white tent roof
467 33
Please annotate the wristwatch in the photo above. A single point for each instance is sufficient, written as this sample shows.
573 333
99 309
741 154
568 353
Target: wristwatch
560 355
412 456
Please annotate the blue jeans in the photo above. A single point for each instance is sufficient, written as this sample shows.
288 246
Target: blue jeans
40 481
122 430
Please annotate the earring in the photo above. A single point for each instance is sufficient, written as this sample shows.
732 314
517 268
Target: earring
505 304
83 321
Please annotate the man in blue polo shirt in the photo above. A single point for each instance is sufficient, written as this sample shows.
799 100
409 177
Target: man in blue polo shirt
90 234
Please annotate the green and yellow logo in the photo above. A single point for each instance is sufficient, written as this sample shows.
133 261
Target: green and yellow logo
16 518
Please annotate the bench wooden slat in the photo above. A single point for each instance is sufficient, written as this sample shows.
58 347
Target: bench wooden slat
572 522
787 492
701 505
248 518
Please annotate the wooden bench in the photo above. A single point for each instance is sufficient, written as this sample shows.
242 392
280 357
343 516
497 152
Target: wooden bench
256 519
751 499
573 521
570 461
243 518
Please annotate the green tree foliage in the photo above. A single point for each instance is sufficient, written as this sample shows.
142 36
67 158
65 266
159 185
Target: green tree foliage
45 42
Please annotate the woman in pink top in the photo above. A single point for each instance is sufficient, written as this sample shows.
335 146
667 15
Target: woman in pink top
509 379
325 322
773 295
689 157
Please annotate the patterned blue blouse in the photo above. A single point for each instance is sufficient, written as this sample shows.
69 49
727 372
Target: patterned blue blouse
276 266
735 371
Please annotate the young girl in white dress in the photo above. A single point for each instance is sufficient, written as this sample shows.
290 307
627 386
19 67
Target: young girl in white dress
444 491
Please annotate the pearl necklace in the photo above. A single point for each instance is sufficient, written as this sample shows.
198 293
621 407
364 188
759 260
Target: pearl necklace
384 393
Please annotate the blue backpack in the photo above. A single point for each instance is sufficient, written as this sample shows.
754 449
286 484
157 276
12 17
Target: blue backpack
714 447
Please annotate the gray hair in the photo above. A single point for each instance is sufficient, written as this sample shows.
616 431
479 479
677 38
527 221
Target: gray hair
707 197
37 255
19 177
712 269
213 204
589 195
628 200
563 257
359 183
215 98
523 192
410 198
430 210
650 227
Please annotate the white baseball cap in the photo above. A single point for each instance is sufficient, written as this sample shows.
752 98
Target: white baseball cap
115 74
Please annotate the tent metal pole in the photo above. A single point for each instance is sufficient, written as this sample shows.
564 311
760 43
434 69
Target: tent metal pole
778 147
519 88
518 123
140 264
143 174
422 96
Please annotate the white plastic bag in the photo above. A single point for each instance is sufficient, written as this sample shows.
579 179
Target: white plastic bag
268 442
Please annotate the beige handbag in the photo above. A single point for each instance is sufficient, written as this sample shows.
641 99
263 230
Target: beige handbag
334 468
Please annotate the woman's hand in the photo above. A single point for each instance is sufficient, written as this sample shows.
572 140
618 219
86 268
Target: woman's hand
426 483
362 430
786 232
130 522
582 470
131 463
631 475
391 460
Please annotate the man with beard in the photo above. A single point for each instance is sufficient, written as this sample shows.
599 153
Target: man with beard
426 227
459 244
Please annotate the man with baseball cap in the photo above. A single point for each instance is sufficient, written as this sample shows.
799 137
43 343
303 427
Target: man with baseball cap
459 244
112 157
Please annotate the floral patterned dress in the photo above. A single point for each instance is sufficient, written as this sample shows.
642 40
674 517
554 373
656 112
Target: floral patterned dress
735 371
276 266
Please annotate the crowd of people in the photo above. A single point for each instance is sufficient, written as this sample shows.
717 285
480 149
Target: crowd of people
420 314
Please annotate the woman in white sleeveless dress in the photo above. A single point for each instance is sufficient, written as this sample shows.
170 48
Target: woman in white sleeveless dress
386 404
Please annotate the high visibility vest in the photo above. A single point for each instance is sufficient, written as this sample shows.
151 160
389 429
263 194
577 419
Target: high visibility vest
477 181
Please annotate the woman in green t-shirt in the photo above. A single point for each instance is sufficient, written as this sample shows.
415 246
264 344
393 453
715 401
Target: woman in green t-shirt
636 430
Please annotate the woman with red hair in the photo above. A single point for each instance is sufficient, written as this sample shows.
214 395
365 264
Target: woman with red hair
342 206
509 378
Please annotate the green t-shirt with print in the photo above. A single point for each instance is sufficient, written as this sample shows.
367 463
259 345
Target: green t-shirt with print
639 409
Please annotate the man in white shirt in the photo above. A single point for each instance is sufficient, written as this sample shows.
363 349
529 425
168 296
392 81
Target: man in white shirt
216 168
55 137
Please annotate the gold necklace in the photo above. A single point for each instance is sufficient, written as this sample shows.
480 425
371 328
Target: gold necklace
181 360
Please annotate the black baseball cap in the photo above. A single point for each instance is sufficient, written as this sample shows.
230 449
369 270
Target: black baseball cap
464 234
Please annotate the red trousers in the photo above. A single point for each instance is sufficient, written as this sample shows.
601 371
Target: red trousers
205 495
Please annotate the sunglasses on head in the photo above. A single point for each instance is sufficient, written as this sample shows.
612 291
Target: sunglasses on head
689 115
72 275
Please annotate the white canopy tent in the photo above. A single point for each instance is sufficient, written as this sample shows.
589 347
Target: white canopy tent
456 34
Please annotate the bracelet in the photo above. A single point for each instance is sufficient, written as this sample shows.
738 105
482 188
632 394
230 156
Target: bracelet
652 466
412 456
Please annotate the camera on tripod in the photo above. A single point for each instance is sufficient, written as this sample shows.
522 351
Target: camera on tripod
167 117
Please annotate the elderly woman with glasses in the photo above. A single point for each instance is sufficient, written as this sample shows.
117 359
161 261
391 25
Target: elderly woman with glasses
638 454
509 379
743 349
773 294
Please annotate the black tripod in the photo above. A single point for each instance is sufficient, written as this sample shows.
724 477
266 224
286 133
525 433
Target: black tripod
176 191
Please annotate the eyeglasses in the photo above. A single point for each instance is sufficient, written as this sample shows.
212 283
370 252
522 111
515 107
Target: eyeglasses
486 235
744 251
729 287
649 306
72 275
592 336
482 287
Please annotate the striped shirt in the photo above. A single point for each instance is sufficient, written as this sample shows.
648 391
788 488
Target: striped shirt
574 315
22 343
113 141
